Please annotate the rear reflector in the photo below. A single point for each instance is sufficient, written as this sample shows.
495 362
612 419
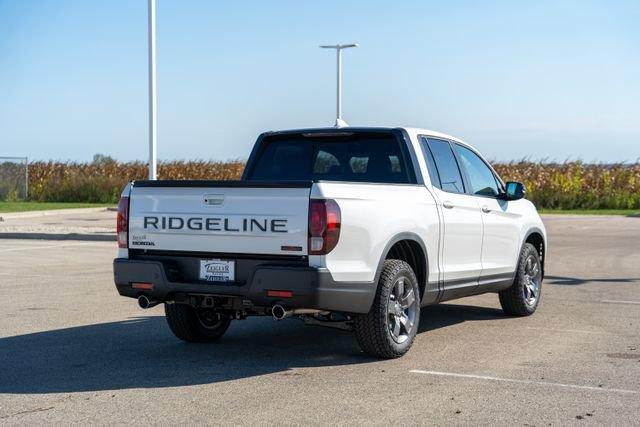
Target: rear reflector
279 294
142 285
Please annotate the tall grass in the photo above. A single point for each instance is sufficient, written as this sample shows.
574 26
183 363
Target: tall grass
103 181
570 185
576 185
12 180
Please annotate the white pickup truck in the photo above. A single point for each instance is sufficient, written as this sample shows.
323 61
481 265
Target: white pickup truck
349 227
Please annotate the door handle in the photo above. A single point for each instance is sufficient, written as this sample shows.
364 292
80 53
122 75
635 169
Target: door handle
486 209
447 204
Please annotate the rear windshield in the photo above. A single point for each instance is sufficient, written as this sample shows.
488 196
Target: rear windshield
357 157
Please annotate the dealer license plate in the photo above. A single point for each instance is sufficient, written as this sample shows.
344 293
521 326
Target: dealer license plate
217 270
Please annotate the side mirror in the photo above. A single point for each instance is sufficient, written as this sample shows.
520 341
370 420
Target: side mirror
515 191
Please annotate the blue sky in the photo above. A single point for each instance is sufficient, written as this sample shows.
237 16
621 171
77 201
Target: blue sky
544 79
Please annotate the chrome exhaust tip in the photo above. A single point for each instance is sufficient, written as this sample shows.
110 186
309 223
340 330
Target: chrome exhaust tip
279 312
145 302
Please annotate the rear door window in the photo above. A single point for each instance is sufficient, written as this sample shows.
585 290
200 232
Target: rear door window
449 176
431 164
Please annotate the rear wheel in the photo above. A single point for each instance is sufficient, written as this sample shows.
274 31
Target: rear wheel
388 330
523 297
195 324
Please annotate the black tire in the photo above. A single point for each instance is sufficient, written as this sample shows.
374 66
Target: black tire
375 330
194 325
516 300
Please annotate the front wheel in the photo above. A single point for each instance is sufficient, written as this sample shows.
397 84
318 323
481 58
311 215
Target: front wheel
523 297
388 330
195 324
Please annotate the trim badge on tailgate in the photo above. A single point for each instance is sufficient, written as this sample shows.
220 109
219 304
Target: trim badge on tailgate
213 199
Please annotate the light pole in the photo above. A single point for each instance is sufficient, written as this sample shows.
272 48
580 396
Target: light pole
152 91
338 48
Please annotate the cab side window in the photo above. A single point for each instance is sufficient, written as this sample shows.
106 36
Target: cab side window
481 178
439 156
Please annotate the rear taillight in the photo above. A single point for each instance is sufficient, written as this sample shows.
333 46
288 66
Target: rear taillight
324 226
122 224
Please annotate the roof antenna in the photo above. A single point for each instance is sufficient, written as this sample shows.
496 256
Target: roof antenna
338 47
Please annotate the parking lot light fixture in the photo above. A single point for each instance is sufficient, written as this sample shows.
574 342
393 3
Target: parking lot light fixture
339 48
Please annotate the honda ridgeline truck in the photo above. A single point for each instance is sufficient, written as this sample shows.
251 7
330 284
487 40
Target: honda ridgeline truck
350 227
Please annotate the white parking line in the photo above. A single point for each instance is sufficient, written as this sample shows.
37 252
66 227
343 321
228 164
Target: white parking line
511 380
610 301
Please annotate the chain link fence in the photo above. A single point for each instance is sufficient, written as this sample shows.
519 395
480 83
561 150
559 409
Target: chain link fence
14 178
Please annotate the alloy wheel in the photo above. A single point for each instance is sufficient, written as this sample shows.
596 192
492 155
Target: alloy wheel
531 280
402 310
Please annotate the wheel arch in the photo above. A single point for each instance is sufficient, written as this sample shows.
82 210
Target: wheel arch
536 237
408 247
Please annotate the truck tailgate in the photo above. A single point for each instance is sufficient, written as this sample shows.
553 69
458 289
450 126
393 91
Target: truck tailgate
219 217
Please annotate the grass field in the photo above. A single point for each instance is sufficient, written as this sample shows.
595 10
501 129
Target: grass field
7 207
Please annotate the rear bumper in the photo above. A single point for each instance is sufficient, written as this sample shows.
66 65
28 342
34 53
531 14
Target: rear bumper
312 287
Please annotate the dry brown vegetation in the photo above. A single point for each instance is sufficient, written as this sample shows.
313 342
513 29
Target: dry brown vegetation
568 185
576 185
103 181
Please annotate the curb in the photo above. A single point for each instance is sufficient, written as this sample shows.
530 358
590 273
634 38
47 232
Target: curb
61 236
34 214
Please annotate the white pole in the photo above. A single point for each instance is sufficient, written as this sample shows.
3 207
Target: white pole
152 91
339 95
338 48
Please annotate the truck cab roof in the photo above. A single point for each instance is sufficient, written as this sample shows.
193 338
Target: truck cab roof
412 131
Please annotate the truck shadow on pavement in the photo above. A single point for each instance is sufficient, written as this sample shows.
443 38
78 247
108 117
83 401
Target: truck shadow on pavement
443 315
573 281
142 353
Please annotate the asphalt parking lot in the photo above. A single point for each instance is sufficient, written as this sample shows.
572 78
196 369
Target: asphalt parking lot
73 351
